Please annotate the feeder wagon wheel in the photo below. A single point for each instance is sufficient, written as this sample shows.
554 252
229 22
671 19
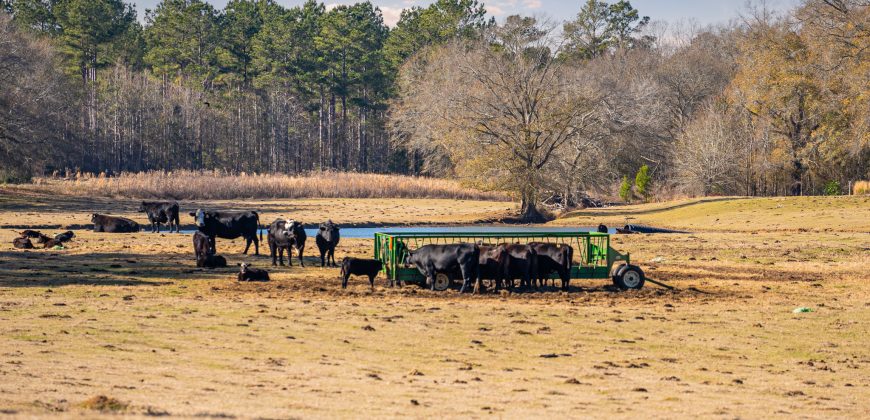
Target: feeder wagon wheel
628 277
442 281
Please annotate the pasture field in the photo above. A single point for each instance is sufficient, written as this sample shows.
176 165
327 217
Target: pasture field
130 318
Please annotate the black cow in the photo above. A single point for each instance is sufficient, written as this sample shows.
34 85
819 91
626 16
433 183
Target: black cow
451 258
492 264
327 239
360 267
522 264
286 235
64 237
42 239
30 233
229 225
213 261
112 224
553 257
22 243
161 212
205 254
246 273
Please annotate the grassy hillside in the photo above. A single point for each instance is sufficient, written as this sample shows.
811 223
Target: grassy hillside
851 214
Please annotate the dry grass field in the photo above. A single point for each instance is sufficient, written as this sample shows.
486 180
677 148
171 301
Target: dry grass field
126 324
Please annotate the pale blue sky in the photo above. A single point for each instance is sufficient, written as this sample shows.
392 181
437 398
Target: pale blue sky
702 11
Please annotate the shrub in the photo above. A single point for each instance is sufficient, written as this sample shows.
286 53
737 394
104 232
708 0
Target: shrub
625 189
833 188
642 182
861 188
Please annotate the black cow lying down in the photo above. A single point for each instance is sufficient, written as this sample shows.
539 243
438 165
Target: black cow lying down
247 273
22 243
113 224
451 258
360 267
205 256
230 225
64 237
159 212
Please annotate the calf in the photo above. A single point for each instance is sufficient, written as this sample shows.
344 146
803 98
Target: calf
30 233
230 225
451 258
42 239
22 243
327 239
161 212
205 254
112 224
553 257
64 237
286 235
246 273
360 267
212 261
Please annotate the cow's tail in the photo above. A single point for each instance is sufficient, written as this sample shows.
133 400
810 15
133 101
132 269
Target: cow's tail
570 258
259 229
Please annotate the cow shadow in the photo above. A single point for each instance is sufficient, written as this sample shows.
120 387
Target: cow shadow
44 269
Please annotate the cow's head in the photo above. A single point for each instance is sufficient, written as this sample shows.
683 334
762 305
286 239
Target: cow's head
142 207
199 217
329 231
94 218
243 267
283 228
411 259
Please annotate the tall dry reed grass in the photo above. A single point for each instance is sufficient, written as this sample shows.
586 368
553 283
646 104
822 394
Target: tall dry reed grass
194 185
861 188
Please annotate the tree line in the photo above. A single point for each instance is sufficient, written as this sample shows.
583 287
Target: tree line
253 87
769 104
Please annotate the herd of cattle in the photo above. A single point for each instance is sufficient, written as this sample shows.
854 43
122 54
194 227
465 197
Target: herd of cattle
531 263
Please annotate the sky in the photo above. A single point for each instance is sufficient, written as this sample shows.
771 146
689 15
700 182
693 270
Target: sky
703 12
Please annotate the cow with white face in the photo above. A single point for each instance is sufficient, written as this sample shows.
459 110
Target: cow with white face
286 234
229 225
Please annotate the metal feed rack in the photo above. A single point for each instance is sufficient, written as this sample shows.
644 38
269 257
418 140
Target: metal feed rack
593 256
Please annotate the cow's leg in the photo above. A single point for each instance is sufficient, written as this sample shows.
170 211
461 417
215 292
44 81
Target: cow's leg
372 281
157 227
344 280
322 256
430 276
332 256
247 245
211 245
301 250
566 279
256 244
466 278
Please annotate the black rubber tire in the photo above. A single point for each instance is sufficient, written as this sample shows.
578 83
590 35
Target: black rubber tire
629 277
